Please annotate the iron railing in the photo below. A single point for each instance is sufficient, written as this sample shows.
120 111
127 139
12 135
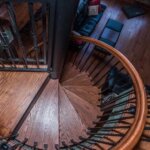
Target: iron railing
120 97
24 51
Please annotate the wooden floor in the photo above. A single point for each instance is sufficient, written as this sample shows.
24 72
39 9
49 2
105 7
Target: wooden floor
42 124
16 93
60 112
64 111
135 36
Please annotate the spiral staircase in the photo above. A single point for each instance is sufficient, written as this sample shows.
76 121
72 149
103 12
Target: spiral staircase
78 110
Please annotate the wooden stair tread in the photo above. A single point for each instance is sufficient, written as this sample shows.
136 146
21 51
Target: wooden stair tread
42 123
69 72
88 93
81 79
71 126
17 92
86 111
93 90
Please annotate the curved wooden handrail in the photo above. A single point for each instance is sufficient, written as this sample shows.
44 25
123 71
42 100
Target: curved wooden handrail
134 133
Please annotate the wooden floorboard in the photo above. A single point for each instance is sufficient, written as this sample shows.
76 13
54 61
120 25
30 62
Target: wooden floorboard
87 112
134 38
88 93
17 90
81 79
69 71
71 125
42 124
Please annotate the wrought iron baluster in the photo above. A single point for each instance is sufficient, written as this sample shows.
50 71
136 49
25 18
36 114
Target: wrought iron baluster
23 143
107 108
85 62
115 113
88 140
85 50
44 20
113 120
78 145
105 74
6 46
51 35
3 65
105 65
117 98
101 141
34 34
106 134
12 16
118 127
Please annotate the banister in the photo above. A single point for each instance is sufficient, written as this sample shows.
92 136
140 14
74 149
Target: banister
134 133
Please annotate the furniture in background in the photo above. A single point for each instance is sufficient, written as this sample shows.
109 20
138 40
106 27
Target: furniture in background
85 24
147 2
110 34
133 10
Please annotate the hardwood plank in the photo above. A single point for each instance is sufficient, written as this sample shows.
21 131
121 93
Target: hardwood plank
42 124
88 93
71 125
69 72
81 79
134 38
86 111
16 93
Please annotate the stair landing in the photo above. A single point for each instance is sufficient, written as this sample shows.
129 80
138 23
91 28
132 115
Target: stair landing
16 93
45 111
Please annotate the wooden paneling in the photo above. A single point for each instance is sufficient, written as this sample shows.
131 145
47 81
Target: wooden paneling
17 90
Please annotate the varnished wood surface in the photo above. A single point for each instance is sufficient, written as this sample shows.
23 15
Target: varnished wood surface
61 113
71 125
134 38
88 93
81 79
133 41
69 72
42 124
17 90
135 132
87 112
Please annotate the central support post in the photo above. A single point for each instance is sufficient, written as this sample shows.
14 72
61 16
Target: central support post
62 14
